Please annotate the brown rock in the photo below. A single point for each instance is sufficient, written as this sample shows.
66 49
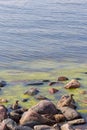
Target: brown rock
62 78
72 84
59 117
53 90
67 127
45 107
3 126
31 115
66 100
69 113
77 121
3 112
32 91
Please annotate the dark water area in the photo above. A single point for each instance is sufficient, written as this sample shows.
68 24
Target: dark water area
43 30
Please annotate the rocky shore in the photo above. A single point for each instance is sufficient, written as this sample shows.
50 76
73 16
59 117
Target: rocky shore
45 115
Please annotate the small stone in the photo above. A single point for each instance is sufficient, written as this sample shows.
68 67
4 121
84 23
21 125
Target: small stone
62 78
25 100
40 97
34 83
53 83
53 90
3 83
32 91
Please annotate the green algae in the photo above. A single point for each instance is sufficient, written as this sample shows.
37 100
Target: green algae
16 78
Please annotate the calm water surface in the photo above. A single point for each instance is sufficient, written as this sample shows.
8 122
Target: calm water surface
42 30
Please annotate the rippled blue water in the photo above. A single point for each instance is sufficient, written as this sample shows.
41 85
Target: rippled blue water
43 29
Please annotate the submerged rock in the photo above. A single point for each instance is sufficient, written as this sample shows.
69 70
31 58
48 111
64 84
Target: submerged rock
34 83
3 83
62 78
32 91
72 84
40 97
53 90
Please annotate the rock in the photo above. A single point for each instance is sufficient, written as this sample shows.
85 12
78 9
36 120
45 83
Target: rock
3 126
72 84
77 121
25 100
59 117
70 113
46 80
40 97
78 79
32 91
53 83
2 100
66 100
83 92
10 123
23 128
31 115
53 90
45 107
34 83
3 83
62 78
3 112
15 116
67 127
32 124
44 127
56 126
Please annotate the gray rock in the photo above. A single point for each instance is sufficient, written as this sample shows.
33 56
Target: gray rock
77 121
34 83
23 128
70 113
3 83
67 127
10 123
44 127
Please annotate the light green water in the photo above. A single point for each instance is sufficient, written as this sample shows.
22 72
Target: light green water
16 78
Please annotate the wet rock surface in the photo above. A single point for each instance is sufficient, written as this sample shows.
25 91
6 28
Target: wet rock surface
72 84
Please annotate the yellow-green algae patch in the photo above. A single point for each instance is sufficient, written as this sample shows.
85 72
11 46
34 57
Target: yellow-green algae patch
16 78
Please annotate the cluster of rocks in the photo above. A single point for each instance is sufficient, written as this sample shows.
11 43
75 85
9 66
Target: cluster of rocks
43 116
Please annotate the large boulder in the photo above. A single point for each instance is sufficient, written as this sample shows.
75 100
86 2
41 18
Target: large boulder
10 123
70 113
3 113
72 84
45 107
31 115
